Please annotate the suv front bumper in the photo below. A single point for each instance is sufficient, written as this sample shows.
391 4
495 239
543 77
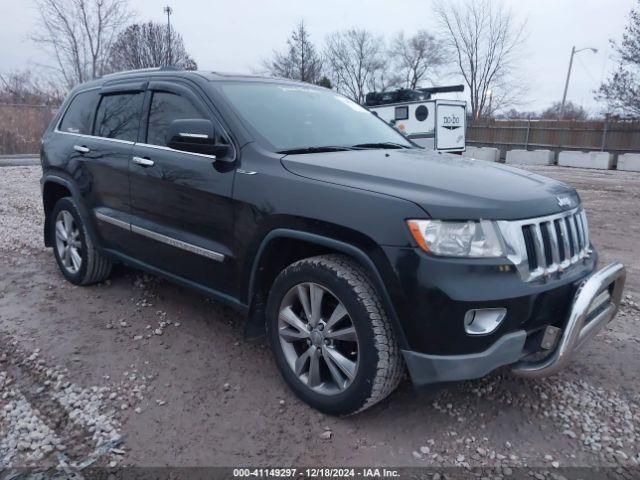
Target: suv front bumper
582 323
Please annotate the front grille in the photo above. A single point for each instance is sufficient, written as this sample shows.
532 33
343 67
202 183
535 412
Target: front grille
542 246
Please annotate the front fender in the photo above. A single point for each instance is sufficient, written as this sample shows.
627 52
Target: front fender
255 323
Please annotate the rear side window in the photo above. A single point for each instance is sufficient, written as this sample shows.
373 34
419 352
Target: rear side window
165 108
79 116
119 116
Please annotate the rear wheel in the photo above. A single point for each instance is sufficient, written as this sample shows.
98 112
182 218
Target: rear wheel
75 252
331 338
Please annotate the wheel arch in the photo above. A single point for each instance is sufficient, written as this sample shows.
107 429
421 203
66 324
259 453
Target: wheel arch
55 187
262 276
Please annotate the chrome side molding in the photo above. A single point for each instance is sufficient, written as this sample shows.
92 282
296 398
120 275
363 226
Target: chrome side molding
113 221
158 237
189 247
580 328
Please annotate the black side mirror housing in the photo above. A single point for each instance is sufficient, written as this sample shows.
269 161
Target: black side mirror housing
195 136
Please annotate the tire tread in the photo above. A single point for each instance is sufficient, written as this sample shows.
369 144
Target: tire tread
390 368
98 266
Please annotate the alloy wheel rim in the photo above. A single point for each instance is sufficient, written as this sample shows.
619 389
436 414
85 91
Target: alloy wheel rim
68 242
318 338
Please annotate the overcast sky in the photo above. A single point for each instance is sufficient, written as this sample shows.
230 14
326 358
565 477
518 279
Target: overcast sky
236 35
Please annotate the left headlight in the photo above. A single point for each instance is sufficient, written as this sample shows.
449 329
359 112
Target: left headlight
472 239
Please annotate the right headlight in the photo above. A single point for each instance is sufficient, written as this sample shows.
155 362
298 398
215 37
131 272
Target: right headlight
471 239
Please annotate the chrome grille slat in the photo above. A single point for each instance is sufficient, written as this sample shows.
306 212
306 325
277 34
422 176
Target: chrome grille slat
585 227
576 222
554 243
538 245
565 243
578 218
575 248
555 251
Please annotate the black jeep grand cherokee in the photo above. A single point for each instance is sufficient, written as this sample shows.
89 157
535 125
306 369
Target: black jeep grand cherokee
354 250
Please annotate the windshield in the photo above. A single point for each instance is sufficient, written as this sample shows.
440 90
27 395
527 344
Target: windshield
301 119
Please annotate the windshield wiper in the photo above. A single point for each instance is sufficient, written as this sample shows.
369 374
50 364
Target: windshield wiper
380 145
328 148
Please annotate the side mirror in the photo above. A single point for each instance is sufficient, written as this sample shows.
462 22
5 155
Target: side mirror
195 136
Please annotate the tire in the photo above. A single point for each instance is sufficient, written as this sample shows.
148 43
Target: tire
375 352
92 267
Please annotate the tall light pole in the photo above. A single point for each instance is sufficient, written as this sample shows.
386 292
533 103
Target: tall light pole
168 10
566 83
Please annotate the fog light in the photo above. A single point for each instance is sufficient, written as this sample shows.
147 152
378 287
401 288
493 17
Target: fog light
482 321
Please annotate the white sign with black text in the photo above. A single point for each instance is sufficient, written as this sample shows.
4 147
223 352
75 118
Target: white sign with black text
451 125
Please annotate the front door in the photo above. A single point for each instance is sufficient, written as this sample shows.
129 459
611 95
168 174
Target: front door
181 206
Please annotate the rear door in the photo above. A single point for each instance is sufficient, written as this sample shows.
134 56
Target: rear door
99 130
115 131
182 211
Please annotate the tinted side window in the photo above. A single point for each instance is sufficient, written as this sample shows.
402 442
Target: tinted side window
79 116
119 116
165 108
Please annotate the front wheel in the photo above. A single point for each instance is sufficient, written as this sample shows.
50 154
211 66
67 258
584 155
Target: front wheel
331 337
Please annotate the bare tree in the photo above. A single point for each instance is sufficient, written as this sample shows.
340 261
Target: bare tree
357 62
145 45
485 39
385 78
26 107
514 114
622 90
24 88
79 35
299 61
572 111
417 57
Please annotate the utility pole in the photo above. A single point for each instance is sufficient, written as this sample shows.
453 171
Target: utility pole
566 83
168 10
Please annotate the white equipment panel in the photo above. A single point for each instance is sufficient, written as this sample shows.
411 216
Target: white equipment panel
436 124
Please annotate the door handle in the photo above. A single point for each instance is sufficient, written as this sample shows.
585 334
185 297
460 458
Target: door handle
81 149
145 162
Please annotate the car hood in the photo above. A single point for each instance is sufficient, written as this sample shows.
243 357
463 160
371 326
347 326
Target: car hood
446 186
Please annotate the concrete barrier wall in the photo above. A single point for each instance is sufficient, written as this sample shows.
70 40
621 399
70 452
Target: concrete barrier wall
482 153
530 157
470 151
629 162
601 160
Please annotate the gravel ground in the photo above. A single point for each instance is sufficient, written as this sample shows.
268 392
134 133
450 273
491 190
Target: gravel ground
137 371
21 214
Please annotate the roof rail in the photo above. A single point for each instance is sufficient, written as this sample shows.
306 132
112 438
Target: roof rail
142 70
